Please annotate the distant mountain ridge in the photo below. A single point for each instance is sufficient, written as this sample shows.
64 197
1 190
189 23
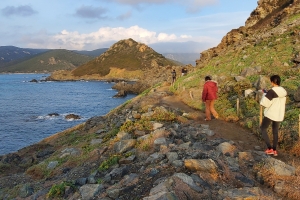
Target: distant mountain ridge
26 60
11 53
185 58
46 62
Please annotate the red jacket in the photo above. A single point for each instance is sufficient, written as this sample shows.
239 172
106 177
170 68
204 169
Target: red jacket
210 90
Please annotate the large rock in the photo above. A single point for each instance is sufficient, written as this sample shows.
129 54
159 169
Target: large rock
278 167
124 145
121 93
72 116
89 191
205 165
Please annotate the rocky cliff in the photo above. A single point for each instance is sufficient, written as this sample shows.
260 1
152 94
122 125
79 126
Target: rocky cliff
269 19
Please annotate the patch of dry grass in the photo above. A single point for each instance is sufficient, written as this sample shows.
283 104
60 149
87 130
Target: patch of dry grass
296 149
289 189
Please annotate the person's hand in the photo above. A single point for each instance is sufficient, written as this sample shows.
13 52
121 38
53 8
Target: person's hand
265 91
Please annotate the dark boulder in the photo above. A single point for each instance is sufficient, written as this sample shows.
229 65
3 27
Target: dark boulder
121 93
53 114
72 116
33 81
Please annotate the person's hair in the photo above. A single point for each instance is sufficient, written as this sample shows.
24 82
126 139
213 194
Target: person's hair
207 78
275 79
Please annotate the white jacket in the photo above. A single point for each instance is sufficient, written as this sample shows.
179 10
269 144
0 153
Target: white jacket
274 103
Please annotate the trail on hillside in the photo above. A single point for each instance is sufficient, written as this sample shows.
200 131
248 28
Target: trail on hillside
243 138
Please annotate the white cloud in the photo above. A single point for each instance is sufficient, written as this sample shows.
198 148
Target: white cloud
185 36
105 37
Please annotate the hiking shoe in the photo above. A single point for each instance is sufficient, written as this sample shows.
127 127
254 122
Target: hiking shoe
269 151
275 153
207 119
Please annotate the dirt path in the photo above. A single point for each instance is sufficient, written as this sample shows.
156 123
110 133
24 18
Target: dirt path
242 137
226 130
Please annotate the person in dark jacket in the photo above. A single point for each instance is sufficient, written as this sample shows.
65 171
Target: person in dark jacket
173 76
209 95
274 103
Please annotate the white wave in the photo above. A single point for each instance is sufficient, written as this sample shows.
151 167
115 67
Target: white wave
47 117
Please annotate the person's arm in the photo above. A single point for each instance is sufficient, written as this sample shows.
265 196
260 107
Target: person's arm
266 99
204 93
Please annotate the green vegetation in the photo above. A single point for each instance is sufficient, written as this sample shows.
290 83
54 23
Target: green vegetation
112 133
130 126
112 160
58 190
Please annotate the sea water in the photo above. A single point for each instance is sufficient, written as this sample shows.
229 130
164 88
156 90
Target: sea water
25 107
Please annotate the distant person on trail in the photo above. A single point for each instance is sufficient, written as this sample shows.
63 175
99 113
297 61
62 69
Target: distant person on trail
274 103
183 71
209 95
173 77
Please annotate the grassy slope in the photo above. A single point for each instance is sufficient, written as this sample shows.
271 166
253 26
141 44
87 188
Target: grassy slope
63 59
274 55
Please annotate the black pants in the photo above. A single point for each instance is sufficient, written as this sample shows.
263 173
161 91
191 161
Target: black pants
275 126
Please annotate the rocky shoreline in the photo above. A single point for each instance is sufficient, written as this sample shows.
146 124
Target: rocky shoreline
145 149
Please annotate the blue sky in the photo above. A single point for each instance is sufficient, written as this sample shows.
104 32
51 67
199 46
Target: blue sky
168 26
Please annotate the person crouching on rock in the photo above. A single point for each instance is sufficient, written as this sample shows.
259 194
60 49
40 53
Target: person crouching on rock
209 95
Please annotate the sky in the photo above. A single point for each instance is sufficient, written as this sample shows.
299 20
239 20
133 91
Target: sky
168 26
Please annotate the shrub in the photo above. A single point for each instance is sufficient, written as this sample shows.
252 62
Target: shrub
140 125
112 133
112 160
58 190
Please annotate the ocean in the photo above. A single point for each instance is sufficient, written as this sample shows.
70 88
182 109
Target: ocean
25 107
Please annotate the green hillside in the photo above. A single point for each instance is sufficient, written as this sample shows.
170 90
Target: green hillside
244 61
49 61
125 54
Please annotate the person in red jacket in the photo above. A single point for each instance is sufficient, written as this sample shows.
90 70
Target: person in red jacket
209 95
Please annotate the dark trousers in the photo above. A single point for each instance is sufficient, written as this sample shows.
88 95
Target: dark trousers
275 126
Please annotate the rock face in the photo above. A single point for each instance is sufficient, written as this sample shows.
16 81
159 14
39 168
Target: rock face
266 8
267 15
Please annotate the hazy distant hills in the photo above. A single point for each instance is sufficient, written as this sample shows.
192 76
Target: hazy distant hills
25 60
11 53
48 61
93 53
185 58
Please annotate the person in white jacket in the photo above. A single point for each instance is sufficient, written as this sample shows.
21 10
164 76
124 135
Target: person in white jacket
274 103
